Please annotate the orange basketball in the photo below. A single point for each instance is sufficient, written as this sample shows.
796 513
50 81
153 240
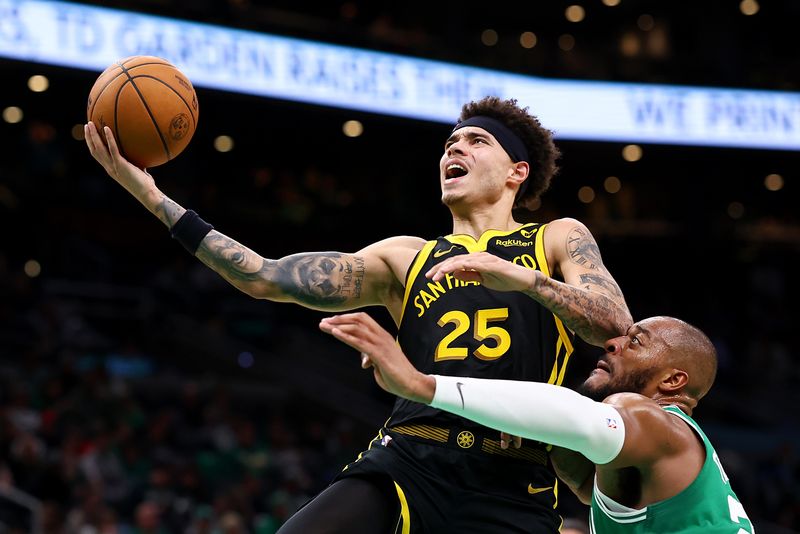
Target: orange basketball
150 106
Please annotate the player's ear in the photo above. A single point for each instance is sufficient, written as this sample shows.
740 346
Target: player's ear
519 172
673 382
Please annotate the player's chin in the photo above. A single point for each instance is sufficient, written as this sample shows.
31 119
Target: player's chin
597 382
450 198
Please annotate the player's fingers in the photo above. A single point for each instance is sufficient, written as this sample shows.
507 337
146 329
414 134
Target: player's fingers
112 144
326 326
92 139
468 275
433 270
356 332
87 136
359 323
348 339
97 149
440 270
328 323
517 441
353 330
457 263
358 318
345 318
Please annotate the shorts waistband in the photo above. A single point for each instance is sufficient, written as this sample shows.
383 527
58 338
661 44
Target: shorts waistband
470 440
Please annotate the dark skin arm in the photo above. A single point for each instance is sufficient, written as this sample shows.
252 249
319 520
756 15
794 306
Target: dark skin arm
574 470
664 451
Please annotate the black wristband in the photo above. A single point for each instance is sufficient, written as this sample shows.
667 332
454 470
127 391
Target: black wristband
190 230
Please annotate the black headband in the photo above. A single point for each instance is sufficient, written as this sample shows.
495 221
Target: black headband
510 142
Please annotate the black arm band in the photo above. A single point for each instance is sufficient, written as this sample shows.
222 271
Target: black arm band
190 230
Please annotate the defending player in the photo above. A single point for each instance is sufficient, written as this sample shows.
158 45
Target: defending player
516 325
656 471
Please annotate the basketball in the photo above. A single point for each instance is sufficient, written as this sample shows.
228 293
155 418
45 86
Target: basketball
150 106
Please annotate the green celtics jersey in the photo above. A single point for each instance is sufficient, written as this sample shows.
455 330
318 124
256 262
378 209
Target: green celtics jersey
707 506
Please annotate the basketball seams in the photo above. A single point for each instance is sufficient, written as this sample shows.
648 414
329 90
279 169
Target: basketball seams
116 122
177 93
149 112
133 58
128 69
100 92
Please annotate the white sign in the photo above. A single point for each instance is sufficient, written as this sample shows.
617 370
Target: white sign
93 38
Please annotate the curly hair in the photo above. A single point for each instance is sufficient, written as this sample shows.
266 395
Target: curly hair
542 152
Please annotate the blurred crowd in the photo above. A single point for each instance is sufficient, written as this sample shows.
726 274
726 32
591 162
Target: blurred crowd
102 454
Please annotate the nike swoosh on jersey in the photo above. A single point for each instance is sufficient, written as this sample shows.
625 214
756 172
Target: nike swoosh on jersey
440 253
534 491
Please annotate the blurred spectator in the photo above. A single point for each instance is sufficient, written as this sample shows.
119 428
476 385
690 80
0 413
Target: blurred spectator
148 519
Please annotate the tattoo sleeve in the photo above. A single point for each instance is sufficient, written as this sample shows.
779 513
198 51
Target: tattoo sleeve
596 310
322 280
592 315
593 281
168 211
583 249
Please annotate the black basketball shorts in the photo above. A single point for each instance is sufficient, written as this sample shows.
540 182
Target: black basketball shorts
451 480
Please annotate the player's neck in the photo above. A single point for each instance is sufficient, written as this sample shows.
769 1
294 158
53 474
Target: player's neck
477 221
685 404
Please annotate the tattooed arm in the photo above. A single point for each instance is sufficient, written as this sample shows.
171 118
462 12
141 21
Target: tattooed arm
322 280
589 301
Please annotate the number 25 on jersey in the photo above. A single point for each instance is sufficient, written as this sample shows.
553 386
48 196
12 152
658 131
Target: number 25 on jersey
449 349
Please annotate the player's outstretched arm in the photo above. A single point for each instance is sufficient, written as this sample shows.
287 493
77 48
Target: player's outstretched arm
321 280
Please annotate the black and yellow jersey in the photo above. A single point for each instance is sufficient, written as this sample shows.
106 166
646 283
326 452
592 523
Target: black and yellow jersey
460 328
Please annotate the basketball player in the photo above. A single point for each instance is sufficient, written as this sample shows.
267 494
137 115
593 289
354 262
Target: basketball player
440 472
656 471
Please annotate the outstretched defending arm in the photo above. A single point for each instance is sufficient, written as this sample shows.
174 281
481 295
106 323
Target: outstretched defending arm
321 280
534 410
543 412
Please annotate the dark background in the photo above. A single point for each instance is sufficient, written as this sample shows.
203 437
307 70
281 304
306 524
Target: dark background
131 376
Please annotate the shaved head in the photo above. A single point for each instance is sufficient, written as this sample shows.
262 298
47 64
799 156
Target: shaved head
687 349
663 358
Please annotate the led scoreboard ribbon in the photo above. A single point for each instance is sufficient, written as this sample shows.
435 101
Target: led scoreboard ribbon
87 37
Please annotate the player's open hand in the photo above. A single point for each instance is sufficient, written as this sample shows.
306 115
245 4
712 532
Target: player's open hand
393 372
137 181
491 271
